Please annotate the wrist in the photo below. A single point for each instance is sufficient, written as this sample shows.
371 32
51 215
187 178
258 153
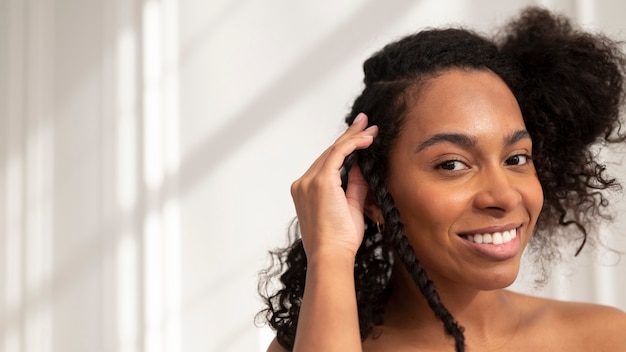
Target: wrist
335 256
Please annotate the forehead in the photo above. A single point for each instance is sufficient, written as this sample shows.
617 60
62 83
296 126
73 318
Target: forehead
471 102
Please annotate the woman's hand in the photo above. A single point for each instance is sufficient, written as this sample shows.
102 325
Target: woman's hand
331 224
331 220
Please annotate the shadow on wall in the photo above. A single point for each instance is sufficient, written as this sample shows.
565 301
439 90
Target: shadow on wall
320 60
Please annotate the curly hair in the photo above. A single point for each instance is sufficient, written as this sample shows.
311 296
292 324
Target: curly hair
569 86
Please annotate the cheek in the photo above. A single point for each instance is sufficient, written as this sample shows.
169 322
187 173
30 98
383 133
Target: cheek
534 198
430 211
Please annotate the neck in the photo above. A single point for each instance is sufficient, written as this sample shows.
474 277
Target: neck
483 314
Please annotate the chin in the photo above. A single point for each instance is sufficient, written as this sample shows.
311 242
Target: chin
496 281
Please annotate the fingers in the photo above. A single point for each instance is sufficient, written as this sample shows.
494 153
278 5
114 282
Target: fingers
325 170
357 189
330 217
357 136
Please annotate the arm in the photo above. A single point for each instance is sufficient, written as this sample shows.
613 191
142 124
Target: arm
328 316
331 224
275 347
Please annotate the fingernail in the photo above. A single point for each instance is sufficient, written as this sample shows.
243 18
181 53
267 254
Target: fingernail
359 117
372 127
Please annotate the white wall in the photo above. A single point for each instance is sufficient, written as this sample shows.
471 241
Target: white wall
148 146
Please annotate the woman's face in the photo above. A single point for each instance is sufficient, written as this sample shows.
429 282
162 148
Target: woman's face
463 180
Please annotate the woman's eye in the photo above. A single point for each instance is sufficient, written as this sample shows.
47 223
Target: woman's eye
519 159
452 165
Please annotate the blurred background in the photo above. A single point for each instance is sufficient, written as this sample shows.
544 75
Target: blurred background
147 148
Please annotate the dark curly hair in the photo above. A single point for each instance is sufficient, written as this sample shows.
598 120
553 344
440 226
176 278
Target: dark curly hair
569 86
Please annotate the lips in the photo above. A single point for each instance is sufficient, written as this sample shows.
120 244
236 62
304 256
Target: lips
495 238
501 244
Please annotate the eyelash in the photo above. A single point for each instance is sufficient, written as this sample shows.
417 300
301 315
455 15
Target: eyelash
441 165
528 157
448 162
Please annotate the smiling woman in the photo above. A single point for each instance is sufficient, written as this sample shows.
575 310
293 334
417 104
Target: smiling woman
479 183
460 152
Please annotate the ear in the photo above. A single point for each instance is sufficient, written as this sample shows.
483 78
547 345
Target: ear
372 211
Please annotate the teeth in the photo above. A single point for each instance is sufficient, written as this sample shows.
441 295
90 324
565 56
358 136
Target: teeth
493 238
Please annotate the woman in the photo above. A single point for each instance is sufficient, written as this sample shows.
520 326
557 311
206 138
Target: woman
460 152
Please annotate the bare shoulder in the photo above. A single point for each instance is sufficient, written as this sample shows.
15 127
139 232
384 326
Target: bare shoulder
581 326
603 327
275 347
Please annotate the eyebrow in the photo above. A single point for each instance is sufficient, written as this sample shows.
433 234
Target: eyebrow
468 141
454 138
516 137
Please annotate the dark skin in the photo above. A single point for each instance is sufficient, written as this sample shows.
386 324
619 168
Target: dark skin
526 324
461 176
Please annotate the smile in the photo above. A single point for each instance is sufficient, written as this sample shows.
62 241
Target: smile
495 238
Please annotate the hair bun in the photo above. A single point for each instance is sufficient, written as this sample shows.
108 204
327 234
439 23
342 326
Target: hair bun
570 92
571 81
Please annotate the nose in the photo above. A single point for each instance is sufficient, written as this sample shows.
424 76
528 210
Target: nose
497 191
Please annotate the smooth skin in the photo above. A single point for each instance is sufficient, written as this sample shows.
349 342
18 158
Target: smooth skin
462 164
